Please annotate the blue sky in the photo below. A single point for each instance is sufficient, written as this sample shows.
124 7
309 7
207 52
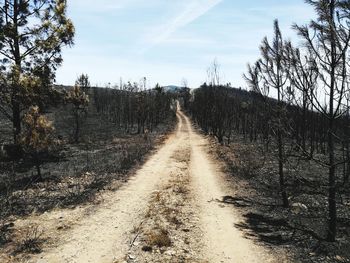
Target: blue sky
168 40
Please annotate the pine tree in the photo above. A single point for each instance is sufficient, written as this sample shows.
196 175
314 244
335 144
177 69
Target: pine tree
273 67
327 40
83 81
36 137
32 35
80 102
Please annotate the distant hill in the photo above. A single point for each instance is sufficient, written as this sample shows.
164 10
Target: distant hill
169 88
173 88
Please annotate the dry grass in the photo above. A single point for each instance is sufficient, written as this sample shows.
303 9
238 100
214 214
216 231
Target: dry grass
163 237
174 219
148 213
157 197
180 189
161 214
163 210
31 241
158 237
136 229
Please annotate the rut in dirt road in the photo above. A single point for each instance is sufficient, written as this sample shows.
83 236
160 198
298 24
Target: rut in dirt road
163 214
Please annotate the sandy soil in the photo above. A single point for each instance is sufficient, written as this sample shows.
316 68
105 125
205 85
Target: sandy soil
177 193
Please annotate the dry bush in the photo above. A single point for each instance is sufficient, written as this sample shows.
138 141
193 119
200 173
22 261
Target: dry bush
36 137
159 237
31 240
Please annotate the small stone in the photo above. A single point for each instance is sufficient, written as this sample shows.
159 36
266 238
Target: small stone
170 252
339 258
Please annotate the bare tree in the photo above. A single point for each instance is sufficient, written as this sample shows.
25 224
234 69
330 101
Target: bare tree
303 74
327 41
184 83
254 79
213 73
274 69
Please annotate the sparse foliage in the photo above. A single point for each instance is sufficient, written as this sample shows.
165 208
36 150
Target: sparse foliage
31 38
80 102
36 137
83 82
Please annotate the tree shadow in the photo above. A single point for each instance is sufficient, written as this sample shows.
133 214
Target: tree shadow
266 227
244 202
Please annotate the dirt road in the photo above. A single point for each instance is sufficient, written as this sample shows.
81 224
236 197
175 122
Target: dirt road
166 213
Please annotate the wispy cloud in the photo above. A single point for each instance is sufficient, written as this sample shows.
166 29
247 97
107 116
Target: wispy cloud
113 35
188 41
192 11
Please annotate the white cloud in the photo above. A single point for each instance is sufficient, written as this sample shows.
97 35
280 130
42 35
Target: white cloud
188 41
192 11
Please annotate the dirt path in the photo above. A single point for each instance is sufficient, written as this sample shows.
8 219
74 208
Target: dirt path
166 213
224 242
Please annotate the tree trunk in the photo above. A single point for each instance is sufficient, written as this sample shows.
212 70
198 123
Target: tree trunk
77 127
16 111
38 176
16 121
281 172
347 163
332 206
